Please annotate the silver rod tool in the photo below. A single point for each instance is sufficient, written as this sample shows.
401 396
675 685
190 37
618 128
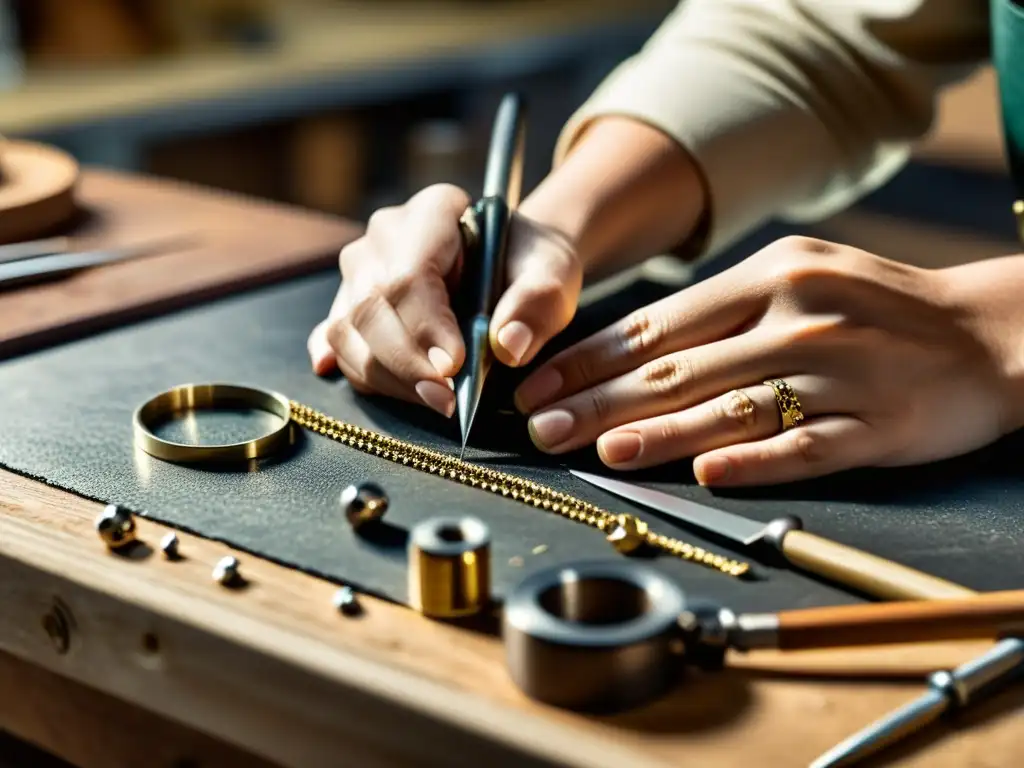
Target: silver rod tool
946 691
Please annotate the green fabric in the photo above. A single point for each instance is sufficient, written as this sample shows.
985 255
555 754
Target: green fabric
1008 58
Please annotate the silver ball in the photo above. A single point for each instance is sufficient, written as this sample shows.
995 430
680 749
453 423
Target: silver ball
346 602
226 571
364 503
169 546
116 526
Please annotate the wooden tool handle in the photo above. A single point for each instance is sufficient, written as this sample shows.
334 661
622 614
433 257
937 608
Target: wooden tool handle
981 616
872 575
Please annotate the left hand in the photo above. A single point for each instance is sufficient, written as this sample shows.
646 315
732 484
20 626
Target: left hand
889 365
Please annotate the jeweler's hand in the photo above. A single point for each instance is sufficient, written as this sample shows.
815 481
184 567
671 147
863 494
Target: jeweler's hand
891 365
391 329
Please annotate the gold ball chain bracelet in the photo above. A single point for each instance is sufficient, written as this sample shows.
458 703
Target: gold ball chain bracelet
626 533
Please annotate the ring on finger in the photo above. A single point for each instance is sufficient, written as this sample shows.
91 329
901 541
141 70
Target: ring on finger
789 404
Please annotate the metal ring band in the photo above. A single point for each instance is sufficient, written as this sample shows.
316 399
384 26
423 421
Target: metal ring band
192 397
470 228
788 402
593 635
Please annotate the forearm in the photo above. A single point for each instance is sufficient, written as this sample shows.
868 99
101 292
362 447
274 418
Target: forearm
627 192
789 108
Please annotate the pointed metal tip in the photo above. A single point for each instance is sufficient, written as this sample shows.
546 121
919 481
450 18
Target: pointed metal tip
462 453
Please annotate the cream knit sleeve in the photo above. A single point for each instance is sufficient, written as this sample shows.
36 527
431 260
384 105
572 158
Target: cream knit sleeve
792 108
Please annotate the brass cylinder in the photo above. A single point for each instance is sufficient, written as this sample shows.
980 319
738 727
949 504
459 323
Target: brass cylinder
450 567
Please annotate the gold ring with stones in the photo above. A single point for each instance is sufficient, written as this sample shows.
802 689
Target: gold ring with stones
788 402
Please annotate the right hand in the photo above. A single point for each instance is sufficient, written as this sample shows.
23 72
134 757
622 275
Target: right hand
391 330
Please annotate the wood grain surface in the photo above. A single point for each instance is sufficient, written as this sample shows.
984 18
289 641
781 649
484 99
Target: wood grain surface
89 728
206 244
275 670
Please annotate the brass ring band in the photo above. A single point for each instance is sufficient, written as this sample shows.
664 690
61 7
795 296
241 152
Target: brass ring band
788 402
193 397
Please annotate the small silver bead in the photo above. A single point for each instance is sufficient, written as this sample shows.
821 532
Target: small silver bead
346 602
116 526
169 546
226 571
364 503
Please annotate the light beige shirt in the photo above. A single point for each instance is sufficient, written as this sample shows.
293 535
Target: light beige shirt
792 108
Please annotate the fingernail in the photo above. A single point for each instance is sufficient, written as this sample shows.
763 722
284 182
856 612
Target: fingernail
437 397
319 352
713 470
551 428
323 365
538 389
441 360
620 447
516 338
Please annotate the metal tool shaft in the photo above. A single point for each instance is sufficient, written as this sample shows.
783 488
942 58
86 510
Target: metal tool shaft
39 267
15 274
947 690
33 249
483 274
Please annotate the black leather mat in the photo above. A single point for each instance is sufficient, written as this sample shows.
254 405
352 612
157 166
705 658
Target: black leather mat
65 418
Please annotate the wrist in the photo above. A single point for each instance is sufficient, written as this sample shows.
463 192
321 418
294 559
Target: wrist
625 192
986 295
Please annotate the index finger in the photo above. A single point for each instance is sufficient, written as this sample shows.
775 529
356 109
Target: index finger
700 314
318 344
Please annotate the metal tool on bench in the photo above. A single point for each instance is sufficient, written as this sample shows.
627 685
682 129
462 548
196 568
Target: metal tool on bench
29 264
601 635
869 574
31 249
947 690
485 228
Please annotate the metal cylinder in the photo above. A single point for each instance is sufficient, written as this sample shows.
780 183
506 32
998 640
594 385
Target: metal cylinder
450 567
595 636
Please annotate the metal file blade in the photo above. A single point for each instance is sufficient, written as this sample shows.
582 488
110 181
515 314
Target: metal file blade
707 518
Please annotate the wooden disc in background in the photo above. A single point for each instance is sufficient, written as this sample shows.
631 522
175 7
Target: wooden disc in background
37 190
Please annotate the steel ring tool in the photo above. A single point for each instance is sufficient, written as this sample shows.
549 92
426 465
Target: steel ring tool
605 635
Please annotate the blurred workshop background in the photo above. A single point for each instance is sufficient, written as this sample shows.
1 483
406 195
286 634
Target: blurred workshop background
338 105
345 105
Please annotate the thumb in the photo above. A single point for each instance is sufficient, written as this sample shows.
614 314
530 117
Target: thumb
540 301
